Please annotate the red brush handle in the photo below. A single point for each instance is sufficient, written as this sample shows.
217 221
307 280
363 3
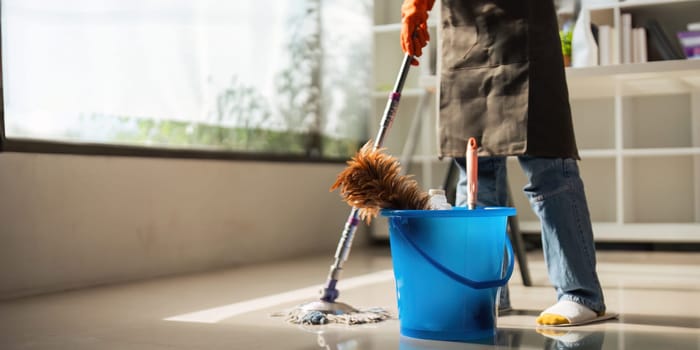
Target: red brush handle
472 173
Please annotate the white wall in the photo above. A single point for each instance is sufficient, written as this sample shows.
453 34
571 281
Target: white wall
70 221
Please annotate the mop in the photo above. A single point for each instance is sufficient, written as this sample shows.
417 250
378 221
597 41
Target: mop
327 309
372 181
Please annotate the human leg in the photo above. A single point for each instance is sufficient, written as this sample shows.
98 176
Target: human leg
556 194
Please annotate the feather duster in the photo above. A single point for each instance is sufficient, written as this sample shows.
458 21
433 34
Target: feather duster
372 181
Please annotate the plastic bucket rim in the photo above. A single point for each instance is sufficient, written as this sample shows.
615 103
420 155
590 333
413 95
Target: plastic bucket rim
454 212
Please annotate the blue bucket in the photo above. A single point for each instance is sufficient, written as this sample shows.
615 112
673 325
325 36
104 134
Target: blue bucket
448 266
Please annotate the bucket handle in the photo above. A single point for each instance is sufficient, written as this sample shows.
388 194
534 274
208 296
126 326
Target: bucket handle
461 279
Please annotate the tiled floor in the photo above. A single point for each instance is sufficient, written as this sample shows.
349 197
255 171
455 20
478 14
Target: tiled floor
657 296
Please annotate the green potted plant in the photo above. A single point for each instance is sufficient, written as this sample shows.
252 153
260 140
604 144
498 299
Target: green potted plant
566 35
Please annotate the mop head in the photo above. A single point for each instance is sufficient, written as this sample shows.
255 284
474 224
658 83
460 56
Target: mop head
315 317
372 181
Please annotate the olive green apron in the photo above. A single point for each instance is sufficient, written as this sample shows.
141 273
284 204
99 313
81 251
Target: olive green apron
502 80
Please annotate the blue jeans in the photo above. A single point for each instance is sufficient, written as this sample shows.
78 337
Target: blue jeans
556 195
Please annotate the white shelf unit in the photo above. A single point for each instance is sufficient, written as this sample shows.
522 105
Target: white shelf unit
638 131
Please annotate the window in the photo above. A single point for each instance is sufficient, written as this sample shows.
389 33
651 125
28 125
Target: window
285 77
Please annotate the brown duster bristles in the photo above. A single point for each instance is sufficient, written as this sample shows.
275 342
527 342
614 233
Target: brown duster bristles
372 181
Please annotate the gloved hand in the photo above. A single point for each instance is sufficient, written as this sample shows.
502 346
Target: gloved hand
414 26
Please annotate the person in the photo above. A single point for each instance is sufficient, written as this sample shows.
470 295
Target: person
502 81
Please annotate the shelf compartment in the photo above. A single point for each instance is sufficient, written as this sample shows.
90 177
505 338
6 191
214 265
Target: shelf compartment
594 123
659 189
604 16
672 16
599 181
657 122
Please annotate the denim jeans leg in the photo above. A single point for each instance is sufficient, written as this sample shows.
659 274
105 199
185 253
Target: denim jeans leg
492 191
556 194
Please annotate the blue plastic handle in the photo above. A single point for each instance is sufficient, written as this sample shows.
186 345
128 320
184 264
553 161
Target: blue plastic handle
459 278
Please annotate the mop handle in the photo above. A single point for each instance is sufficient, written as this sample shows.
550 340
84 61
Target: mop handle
330 293
392 103
472 174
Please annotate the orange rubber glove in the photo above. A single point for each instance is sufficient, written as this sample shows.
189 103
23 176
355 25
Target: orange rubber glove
414 26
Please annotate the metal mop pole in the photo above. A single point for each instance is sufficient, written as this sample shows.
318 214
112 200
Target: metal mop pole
330 293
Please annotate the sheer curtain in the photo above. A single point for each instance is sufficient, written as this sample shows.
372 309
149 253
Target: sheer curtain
287 76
